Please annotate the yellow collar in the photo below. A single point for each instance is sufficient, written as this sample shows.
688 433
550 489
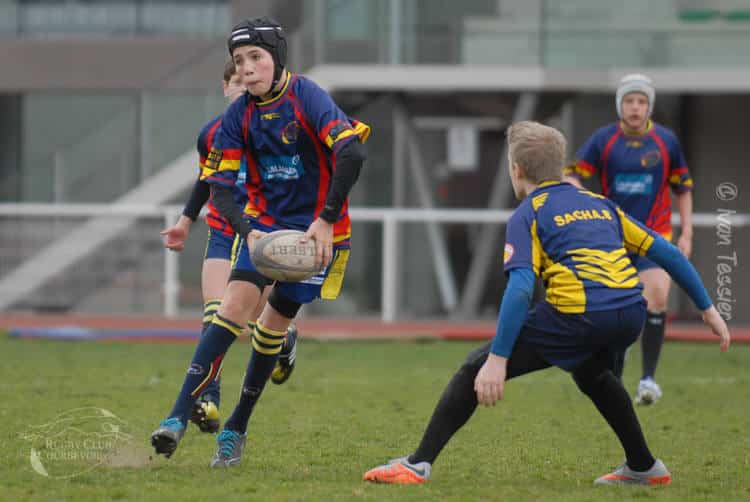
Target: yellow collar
548 183
635 134
279 94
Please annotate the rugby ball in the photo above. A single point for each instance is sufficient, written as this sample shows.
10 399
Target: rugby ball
282 257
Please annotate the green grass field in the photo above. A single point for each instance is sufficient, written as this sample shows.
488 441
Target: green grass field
352 405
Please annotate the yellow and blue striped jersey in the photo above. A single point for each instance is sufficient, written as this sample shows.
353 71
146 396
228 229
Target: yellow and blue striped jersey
577 242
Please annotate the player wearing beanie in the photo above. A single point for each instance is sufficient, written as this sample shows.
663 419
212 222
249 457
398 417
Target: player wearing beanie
638 161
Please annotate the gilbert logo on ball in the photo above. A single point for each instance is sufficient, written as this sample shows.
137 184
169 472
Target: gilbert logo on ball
282 257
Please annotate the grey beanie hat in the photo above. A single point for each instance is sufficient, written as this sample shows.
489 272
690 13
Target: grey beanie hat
635 82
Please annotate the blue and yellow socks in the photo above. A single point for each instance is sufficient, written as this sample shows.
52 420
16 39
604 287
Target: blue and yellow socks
206 364
213 389
266 347
210 308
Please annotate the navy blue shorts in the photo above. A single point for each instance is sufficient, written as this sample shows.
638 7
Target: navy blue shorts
567 340
325 285
220 246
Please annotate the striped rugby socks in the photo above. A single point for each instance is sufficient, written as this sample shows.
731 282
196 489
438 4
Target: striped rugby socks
267 344
206 364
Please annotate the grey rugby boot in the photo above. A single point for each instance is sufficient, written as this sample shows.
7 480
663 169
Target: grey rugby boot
229 450
624 475
399 471
167 436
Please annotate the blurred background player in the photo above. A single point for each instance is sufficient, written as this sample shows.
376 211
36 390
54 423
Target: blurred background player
638 161
578 242
304 155
221 246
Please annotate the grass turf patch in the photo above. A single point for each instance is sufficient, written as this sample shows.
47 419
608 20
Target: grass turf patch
352 405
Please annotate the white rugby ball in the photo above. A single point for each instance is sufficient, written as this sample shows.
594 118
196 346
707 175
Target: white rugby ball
282 257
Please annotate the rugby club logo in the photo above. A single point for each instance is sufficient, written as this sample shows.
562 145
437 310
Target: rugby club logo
290 133
651 159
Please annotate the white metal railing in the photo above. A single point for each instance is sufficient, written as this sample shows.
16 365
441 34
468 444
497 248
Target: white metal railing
390 218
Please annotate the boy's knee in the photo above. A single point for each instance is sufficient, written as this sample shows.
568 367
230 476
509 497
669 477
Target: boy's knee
233 312
287 307
658 301
239 300
476 359
591 374
461 385
464 378
656 289
249 277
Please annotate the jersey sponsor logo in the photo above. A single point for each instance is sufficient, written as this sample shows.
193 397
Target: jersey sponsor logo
270 116
634 184
581 215
508 252
290 133
634 143
281 168
651 159
241 176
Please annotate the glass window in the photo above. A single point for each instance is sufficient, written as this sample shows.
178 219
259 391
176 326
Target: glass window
349 19
113 17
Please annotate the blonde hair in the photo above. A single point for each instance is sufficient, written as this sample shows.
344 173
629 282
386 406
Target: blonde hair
538 149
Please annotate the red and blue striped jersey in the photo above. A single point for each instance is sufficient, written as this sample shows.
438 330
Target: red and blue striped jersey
636 171
205 142
289 143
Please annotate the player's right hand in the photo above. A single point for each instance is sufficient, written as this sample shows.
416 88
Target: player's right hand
489 383
174 238
176 235
714 320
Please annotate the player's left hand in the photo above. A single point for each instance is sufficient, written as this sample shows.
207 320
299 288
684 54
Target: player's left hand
685 244
252 238
322 233
490 381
